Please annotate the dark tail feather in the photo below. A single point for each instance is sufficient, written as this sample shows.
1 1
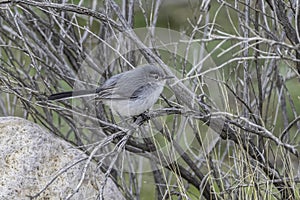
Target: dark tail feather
71 94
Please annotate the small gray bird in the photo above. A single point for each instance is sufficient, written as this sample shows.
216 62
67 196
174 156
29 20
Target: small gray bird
129 93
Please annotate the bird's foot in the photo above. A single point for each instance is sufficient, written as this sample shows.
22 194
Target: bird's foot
141 118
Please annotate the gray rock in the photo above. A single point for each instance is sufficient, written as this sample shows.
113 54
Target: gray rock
31 157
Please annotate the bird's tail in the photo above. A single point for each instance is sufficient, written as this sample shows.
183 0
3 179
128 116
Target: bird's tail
72 94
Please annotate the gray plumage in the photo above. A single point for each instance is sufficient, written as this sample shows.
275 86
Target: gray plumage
129 93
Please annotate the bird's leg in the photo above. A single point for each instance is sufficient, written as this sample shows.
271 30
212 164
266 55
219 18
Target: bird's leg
145 116
141 118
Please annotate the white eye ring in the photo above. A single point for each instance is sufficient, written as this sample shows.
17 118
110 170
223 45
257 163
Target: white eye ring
155 76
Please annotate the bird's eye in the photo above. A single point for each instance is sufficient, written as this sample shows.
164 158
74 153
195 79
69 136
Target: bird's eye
155 76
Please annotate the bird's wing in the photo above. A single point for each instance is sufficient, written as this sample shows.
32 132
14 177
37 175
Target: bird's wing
140 92
109 89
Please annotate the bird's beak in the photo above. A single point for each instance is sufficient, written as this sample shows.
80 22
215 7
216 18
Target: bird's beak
168 77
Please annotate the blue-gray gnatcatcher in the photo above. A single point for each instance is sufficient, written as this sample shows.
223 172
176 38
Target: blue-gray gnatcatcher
129 93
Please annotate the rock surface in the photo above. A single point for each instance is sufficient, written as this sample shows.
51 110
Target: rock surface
31 157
